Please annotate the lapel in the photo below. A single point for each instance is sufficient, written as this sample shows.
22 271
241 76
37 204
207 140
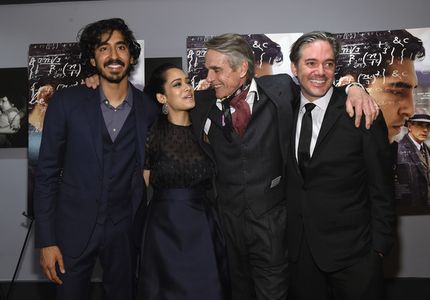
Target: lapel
335 109
205 100
94 119
293 138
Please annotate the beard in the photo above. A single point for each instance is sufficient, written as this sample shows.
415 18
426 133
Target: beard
113 77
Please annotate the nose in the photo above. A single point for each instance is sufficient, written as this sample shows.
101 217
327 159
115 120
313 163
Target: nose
320 69
407 108
114 53
188 86
210 76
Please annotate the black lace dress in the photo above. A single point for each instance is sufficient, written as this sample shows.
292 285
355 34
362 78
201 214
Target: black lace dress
178 260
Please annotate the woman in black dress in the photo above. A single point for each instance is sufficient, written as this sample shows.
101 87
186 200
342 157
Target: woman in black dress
183 255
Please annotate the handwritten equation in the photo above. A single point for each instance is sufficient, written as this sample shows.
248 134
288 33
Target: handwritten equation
370 55
57 64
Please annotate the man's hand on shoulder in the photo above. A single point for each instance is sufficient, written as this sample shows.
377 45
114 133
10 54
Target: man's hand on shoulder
358 102
93 81
49 258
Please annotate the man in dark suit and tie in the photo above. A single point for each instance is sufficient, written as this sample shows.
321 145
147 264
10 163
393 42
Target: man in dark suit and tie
339 186
89 180
413 171
245 123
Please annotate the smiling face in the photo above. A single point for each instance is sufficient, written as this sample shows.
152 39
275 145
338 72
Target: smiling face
112 58
394 94
178 92
222 76
315 69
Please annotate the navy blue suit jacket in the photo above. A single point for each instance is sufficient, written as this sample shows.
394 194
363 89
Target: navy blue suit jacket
70 168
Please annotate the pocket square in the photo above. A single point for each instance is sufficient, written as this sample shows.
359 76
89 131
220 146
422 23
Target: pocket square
275 182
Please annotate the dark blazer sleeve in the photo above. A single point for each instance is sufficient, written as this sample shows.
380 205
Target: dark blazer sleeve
378 162
48 172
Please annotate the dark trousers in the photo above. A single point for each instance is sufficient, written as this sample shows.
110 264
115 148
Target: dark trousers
362 280
111 243
257 253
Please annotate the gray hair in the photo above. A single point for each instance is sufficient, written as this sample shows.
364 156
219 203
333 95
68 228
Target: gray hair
237 50
311 37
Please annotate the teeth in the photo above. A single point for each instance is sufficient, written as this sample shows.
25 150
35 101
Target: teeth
318 81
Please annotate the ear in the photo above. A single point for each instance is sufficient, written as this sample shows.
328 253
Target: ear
132 62
244 69
293 69
161 98
93 62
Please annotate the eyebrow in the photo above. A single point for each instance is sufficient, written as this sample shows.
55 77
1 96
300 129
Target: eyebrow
178 79
401 85
106 43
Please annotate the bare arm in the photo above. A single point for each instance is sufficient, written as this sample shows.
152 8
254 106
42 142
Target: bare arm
8 130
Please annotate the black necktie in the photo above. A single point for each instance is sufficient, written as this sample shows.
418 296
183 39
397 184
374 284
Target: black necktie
423 151
303 151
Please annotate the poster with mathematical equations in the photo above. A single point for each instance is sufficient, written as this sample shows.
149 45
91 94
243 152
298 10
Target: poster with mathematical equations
393 67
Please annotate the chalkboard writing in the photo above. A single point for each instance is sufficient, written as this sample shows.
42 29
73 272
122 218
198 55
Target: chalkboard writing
196 51
370 55
57 64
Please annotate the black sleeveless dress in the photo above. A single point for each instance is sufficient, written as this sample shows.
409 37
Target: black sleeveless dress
179 258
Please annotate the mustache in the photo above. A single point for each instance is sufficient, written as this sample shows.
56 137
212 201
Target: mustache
114 62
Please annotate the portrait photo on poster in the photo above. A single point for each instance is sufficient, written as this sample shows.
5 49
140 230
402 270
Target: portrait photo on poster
13 108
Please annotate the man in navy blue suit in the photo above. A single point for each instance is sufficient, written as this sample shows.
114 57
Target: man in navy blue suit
89 179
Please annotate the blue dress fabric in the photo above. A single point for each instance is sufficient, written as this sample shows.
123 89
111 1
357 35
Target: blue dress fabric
181 253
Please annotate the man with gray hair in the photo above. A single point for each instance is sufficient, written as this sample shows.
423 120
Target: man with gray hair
339 188
245 123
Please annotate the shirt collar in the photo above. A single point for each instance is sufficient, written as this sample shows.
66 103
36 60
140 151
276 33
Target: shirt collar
252 88
128 98
418 145
321 103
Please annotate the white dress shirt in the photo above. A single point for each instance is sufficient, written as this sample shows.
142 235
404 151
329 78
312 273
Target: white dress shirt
317 118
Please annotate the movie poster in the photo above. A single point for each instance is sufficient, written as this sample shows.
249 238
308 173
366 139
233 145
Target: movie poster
13 108
393 67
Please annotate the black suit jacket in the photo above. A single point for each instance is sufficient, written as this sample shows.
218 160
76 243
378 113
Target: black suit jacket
281 91
70 167
344 203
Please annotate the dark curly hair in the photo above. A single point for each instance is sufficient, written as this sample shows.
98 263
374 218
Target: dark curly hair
89 39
